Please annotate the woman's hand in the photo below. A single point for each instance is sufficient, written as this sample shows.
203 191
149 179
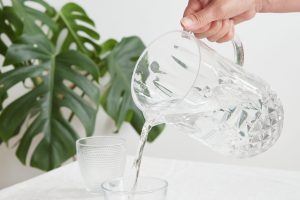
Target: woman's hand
215 19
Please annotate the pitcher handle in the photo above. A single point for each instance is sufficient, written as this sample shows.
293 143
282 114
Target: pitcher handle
238 50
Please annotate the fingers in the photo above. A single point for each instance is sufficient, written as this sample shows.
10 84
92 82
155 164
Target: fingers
244 16
200 13
192 7
204 29
213 28
215 19
217 31
196 20
227 25
228 36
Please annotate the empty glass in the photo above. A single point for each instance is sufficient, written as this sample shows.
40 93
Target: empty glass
180 80
100 158
148 188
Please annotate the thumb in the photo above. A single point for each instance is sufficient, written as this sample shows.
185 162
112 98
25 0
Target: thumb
199 19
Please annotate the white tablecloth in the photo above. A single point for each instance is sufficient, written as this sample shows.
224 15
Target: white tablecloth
187 181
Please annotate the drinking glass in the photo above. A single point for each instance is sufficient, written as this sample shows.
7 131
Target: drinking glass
148 188
100 158
180 80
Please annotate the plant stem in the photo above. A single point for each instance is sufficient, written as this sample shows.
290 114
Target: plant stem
16 143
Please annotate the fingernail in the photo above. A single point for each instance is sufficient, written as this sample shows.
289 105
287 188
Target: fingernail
187 22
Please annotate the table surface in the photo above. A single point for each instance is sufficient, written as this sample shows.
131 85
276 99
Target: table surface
188 180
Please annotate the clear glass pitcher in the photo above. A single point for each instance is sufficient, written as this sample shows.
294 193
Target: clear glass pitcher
179 80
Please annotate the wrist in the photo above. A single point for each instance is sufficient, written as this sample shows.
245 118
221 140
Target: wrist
263 5
277 6
258 5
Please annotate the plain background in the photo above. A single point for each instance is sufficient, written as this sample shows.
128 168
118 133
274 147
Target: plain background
272 51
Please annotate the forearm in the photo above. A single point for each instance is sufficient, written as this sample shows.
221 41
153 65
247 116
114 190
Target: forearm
280 6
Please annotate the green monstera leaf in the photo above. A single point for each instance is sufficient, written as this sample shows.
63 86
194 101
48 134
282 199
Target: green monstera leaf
10 26
36 15
40 110
116 99
57 57
80 31
106 48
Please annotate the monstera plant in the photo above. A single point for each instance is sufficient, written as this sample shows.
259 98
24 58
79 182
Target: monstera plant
58 59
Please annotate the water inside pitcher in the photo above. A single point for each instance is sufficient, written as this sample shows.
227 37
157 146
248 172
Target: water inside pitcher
179 80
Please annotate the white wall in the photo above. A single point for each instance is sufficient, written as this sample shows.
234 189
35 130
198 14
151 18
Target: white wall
272 50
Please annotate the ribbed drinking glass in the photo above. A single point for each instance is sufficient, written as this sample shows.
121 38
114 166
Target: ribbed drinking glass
100 158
